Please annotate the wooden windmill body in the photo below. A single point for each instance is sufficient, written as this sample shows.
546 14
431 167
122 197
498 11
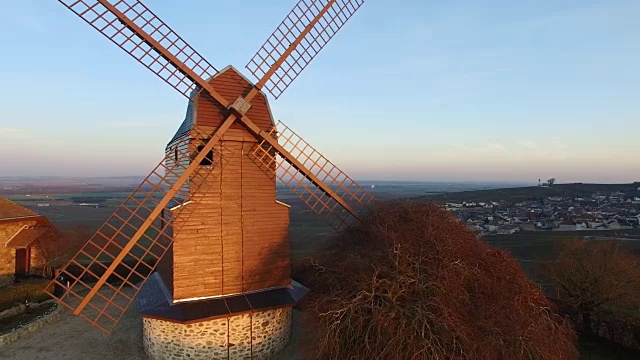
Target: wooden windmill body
236 240
202 244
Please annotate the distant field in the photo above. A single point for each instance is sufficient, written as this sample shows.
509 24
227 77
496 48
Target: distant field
532 247
531 192
108 199
308 232
66 216
40 197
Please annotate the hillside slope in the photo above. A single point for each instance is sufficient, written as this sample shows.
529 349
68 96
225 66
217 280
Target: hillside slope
533 192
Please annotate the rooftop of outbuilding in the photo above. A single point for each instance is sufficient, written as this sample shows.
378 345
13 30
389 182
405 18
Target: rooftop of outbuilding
10 210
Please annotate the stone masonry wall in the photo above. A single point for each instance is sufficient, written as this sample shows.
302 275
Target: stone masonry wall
7 265
260 335
7 256
39 253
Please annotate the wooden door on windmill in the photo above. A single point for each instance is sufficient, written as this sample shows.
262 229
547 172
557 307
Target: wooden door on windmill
22 261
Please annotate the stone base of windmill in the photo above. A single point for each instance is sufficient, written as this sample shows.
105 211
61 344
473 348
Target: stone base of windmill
256 335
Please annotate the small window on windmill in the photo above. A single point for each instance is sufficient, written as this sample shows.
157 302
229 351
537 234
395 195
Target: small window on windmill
208 160
175 154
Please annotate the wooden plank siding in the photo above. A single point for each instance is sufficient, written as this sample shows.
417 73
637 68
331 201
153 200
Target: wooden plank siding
265 228
197 248
165 269
236 239
230 84
231 204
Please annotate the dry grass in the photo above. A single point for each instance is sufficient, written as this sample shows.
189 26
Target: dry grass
411 282
14 322
26 291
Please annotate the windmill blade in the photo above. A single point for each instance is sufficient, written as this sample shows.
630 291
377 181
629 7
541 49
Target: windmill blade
109 270
297 40
139 32
327 190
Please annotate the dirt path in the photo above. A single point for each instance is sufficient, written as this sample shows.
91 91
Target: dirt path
73 338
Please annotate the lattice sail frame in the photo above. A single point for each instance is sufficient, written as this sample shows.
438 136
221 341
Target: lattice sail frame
290 28
319 201
96 14
107 307
138 31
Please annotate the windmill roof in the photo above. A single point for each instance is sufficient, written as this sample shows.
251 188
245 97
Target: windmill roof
152 303
192 311
10 210
187 123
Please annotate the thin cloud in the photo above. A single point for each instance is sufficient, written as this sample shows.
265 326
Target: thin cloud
558 144
496 146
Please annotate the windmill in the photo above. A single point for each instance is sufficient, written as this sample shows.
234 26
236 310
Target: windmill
202 243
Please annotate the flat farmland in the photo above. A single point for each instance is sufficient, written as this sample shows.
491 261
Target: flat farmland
73 215
308 232
541 245
531 248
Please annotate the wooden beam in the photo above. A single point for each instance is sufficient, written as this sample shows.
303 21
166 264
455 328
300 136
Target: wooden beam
165 53
290 49
195 163
263 135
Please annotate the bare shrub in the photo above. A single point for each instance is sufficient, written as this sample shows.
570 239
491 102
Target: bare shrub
597 278
411 282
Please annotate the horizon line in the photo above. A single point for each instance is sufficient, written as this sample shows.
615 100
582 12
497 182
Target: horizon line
42 177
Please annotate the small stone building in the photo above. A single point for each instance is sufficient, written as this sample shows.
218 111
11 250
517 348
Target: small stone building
22 234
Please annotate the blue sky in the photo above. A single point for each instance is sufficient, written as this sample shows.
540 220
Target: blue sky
407 90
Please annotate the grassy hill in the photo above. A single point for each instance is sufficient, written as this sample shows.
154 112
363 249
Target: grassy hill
532 192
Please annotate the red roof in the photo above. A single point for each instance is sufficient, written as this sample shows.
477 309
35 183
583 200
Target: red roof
36 227
9 210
